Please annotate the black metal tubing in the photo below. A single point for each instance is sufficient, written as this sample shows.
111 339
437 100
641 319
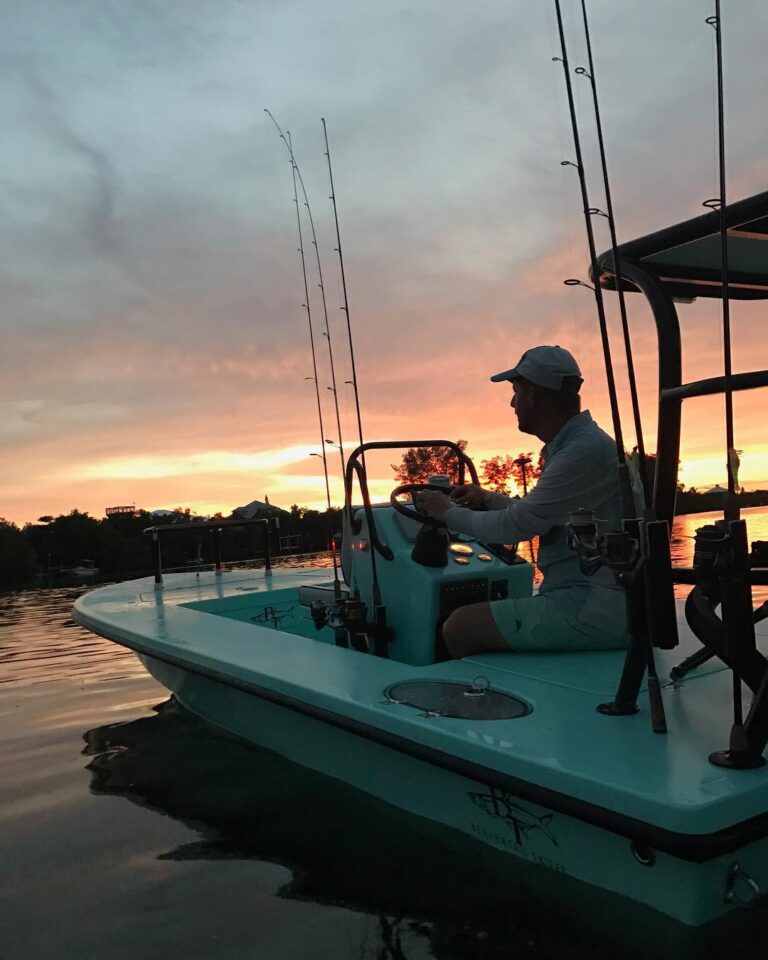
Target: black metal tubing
267 550
708 224
702 281
756 724
464 460
157 558
700 614
662 620
269 524
207 525
382 548
670 376
354 467
714 385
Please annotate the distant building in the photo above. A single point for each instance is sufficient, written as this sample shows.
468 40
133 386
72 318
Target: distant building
716 489
117 511
255 510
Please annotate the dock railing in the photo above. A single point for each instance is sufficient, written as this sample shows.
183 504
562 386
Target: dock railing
215 528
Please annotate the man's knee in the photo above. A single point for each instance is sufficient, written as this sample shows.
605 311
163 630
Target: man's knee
472 629
457 633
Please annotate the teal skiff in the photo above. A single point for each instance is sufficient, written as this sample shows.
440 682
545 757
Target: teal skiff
350 679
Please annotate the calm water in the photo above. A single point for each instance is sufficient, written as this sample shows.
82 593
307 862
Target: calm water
130 829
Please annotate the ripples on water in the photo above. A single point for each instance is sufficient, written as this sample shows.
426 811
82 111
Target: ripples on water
131 829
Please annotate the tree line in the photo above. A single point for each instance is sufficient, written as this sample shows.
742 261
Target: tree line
116 546
49 550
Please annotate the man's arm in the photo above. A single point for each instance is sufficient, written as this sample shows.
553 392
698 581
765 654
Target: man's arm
497 501
563 487
473 495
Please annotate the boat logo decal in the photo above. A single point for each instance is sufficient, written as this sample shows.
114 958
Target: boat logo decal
272 614
503 806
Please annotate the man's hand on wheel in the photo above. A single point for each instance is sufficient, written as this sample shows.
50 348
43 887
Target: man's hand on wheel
468 495
433 503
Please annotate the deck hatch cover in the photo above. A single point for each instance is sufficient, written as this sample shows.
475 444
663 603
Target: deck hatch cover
465 701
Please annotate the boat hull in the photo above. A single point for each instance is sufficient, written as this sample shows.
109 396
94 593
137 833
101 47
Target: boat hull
690 892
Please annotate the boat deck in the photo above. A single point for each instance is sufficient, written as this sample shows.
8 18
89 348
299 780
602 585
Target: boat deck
563 745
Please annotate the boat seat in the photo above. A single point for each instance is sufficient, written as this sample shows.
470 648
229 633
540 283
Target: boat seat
325 594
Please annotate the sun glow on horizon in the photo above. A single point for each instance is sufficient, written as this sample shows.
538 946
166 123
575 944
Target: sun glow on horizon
144 467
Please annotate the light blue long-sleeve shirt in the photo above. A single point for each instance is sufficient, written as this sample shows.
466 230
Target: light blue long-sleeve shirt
580 471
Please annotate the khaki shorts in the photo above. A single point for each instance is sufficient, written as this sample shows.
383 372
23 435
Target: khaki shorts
539 623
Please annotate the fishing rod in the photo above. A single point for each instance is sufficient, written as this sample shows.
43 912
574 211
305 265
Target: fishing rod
381 632
732 510
345 308
624 483
590 75
731 457
306 305
327 332
628 508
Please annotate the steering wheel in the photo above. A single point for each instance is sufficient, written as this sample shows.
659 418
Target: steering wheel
417 515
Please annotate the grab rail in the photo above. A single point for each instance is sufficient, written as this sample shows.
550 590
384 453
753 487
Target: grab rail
270 524
714 385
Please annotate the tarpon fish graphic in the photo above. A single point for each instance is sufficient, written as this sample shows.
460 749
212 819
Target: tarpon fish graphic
503 806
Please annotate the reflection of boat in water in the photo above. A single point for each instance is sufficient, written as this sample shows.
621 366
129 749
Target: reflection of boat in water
248 803
345 847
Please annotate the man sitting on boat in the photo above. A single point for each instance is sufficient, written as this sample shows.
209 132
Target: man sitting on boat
571 611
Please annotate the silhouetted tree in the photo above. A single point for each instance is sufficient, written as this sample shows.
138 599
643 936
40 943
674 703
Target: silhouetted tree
421 463
17 558
499 471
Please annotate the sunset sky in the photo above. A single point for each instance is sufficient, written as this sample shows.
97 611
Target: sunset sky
155 348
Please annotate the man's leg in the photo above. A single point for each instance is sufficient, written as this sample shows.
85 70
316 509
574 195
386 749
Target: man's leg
529 624
472 629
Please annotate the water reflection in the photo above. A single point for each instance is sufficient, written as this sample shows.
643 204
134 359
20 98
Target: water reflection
428 887
39 640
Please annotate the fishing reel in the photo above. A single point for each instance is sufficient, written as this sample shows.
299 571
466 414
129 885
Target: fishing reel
348 618
616 549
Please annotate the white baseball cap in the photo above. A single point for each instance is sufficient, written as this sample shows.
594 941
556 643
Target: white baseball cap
545 366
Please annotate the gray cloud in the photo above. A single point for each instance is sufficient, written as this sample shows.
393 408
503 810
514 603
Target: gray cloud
148 257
